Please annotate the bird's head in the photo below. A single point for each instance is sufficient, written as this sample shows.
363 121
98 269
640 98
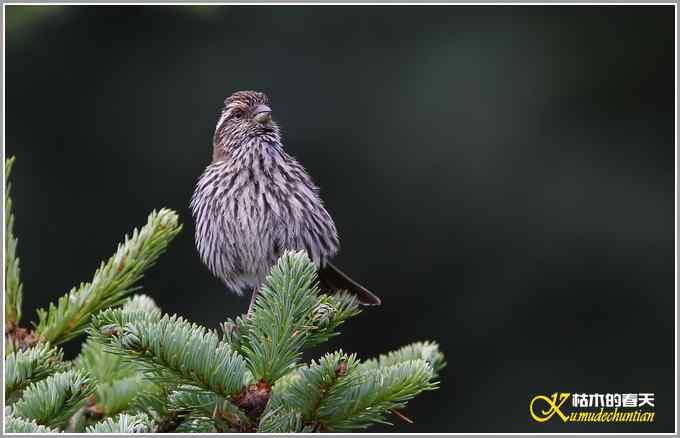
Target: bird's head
246 116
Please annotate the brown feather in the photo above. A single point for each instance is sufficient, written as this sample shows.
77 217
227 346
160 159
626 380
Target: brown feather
333 279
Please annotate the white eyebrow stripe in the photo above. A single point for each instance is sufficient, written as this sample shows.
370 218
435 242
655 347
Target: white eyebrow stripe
221 120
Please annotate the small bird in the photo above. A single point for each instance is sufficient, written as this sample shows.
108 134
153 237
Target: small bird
254 201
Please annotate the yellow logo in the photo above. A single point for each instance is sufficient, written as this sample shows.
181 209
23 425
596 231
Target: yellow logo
594 407
551 406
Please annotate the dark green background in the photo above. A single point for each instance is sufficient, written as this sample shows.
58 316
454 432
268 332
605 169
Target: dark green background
501 176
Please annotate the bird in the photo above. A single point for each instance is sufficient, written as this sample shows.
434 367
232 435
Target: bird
254 201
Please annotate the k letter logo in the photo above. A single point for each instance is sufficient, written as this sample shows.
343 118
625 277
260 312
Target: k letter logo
542 407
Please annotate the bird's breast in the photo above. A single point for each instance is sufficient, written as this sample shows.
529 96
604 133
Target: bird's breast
253 212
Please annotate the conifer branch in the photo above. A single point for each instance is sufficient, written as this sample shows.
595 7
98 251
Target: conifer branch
304 390
164 374
200 407
141 302
427 351
119 382
172 350
124 423
363 397
115 397
22 425
25 367
310 326
188 408
328 314
13 286
101 365
104 366
155 404
281 319
338 393
112 281
282 420
297 396
52 401
196 425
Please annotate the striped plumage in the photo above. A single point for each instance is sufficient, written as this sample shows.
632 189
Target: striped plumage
254 201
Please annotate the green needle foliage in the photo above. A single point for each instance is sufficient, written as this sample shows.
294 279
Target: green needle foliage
54 400
13 286
278 328
118 382
22 425
329 313
112 282
363 398
284 420
25 367
304 391
204 411
142 303
142 371
123 423
251 380
427 351
340 394
175 350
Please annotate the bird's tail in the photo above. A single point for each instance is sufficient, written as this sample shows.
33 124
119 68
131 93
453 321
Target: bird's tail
333 279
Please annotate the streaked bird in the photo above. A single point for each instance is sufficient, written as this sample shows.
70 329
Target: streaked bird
254 201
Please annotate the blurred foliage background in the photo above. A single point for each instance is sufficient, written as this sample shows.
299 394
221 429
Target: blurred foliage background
503 176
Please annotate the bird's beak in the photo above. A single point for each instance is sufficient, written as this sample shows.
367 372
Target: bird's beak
262 114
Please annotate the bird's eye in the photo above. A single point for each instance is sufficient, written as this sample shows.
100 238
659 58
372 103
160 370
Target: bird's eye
237 114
